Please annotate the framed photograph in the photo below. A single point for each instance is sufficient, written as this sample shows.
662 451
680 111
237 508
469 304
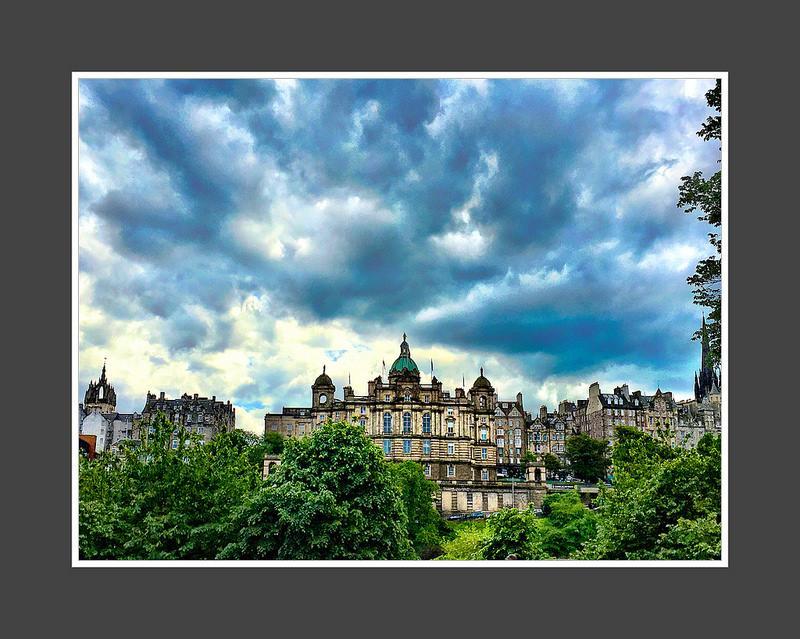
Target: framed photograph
415 319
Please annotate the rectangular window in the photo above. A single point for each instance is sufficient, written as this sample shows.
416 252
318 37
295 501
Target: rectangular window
426 446
485 474
386 398
426 398
484 453
427 470
387 446
450 428
451 470
469 500
449 411
407 446
363 410
174 443
451 449
484 434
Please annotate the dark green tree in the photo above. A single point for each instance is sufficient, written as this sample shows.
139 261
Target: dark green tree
703 197
567 524
332 497
512 532
665 503
552 463
425 526
167 497
588 457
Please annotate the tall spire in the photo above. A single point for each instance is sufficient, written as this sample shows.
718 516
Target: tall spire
103 373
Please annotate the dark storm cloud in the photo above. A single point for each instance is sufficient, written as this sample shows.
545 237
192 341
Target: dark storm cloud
520 155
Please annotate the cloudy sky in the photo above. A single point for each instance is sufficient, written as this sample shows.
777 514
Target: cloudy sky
236 235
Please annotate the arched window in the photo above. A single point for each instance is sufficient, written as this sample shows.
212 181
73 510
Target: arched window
100 393
387 423
408 396
426 423
482 402
406 422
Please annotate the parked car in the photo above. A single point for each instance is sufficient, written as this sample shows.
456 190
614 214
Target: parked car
456 517
478 514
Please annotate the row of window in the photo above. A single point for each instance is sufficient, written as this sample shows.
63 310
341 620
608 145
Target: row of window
426 448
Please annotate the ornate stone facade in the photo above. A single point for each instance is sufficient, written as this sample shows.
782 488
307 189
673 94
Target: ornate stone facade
453 436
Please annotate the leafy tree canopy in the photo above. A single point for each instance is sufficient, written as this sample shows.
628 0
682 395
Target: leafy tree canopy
425 526
167 497
588 457
332 497
665 503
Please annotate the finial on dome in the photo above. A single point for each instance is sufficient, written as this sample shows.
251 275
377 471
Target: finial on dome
323 369
481 371
404 336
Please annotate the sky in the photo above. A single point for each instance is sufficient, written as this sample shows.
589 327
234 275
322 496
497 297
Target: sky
237 235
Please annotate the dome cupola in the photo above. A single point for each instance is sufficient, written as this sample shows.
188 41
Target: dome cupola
404 361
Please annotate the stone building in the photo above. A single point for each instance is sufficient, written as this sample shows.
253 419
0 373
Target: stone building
98 417
201 415
548 432
453 435
511 427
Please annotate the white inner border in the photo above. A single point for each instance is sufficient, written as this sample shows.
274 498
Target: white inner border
683 75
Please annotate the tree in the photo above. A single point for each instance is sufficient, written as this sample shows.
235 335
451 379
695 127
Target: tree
425 526
567 524
168 497
466 543
665 503
697 194
512 532
552 463
332 497
588 457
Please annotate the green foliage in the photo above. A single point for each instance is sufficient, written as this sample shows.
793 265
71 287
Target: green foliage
567 525
425 526
703 197
466 543
665 503
332 497
512 532
552 463
153 501
588 457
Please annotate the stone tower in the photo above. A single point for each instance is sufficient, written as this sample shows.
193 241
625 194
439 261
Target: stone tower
322 391
100 395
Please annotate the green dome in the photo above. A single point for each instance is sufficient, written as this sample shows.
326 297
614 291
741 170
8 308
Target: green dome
404 362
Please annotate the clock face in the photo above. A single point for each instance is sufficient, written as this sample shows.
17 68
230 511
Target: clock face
323 398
